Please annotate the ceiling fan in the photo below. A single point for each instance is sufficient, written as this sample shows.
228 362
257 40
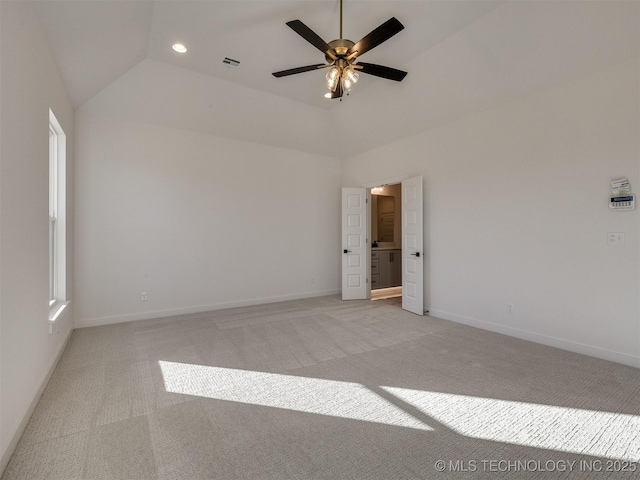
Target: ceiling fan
340 55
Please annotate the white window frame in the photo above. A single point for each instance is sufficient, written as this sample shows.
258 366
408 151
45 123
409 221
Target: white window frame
53 211
57 219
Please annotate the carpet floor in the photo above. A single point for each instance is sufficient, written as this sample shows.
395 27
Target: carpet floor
325 389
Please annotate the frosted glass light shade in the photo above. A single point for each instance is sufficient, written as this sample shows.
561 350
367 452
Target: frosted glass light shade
333 76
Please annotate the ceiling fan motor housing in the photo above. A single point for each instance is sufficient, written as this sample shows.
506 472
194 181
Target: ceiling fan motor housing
341 46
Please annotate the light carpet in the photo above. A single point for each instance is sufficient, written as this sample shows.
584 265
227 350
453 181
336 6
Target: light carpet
325 389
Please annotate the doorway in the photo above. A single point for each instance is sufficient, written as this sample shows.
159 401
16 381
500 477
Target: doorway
357 244
386 242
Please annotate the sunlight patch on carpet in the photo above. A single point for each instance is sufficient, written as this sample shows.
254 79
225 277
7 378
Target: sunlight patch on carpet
587 432
302 394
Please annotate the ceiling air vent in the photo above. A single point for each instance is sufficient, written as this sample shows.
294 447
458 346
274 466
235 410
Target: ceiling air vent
230 62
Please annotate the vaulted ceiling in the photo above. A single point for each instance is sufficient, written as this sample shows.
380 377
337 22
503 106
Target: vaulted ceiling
462 56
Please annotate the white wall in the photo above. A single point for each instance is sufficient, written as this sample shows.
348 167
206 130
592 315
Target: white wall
516 212
162 94
196 220
30 85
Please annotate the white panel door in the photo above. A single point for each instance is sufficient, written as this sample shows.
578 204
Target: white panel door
354 244
412 252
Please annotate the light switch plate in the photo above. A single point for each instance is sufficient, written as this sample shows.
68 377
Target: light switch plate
615 238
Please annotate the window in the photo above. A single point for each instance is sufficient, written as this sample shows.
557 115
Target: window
57 218
53 209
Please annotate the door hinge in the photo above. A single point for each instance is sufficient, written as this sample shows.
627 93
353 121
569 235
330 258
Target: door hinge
366 200
367 281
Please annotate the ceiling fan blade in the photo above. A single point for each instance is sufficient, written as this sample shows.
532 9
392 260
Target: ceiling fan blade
293 71
381 34
312 37
381 71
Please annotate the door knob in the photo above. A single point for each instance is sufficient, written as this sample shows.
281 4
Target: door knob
347 251
417 254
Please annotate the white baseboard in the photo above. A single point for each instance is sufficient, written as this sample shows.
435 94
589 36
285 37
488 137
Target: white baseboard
19 427
623 358
95 322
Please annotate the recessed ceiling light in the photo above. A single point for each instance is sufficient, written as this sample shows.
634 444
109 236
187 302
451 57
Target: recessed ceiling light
178 47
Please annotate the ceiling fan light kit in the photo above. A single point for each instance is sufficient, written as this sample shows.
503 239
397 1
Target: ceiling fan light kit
349 77
340 55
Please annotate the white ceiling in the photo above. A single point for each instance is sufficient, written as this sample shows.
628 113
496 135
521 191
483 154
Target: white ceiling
462 56
97 41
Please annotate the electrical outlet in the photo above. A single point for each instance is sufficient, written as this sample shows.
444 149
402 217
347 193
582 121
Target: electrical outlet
144 296
509 307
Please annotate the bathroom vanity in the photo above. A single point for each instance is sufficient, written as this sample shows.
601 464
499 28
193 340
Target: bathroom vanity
386 267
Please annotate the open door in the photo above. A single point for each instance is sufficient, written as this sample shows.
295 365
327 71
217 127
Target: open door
412 241
354 244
